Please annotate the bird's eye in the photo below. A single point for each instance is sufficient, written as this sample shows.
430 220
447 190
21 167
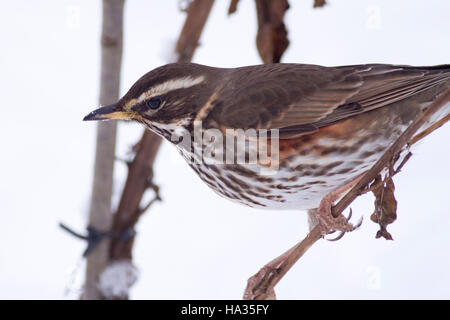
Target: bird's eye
153 103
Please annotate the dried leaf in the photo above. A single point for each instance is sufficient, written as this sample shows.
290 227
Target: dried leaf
319 3
233 6
385 205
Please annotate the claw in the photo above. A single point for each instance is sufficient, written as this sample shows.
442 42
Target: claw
349 216
338 237
359 223
356 226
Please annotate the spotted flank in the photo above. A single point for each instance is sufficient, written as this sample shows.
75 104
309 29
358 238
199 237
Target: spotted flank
312 165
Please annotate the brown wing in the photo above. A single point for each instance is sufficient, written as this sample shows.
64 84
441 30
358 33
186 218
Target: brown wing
299 99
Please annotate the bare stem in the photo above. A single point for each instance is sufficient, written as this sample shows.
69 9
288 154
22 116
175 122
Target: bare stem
100 215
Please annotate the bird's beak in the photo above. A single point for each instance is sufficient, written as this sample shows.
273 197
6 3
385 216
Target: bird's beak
113 111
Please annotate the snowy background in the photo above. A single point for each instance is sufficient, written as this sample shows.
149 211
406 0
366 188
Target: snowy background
195 244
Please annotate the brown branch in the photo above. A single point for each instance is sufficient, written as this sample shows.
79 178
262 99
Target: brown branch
128 211
197 15
429 130
271 39
265 288
140 168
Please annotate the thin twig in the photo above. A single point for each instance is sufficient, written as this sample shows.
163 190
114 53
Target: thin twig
429 130
100 215
270 280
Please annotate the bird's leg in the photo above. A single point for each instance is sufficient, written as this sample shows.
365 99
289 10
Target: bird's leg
263 273
261 285
326 221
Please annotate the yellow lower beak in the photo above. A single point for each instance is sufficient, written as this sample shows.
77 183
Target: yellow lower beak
108 112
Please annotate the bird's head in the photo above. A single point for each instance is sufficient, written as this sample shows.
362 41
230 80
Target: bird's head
167 95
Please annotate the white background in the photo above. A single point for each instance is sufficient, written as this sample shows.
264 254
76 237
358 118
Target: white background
195 244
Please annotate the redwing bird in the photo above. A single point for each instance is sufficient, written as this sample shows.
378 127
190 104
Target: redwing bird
332 123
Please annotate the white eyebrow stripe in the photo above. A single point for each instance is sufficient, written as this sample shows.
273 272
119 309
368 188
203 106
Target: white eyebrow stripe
162 88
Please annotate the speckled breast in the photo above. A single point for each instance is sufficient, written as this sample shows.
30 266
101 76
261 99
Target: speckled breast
313 165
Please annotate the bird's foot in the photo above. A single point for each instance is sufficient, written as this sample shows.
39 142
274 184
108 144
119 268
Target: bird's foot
255 281
256 289
329 223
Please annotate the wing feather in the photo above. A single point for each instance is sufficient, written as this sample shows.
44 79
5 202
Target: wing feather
299 99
